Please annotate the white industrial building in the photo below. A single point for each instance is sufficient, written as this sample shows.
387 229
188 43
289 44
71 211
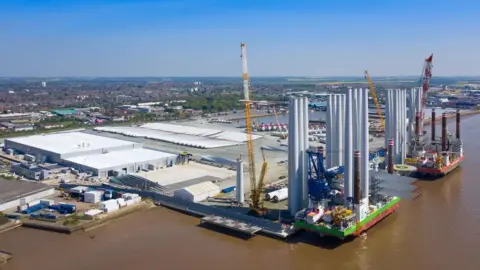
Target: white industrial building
14 193
198 192
57 147
95 154
125 161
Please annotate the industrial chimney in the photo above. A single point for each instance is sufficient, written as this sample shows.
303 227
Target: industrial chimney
444 132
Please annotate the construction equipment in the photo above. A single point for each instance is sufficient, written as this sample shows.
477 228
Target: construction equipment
375 99
425 82
256 205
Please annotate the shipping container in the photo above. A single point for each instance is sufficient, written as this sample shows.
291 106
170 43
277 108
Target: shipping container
108 195
130 196
228 189
93 212
47 202
111 208
32 209
79 189
121 202
106 204
32 203
94 196
133 201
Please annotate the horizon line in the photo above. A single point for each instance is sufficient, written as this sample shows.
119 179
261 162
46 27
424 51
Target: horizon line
202 76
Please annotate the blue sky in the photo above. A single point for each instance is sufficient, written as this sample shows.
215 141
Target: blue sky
201 38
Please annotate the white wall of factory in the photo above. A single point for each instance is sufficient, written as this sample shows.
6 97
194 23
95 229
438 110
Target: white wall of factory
39 154
26 199
128 167
54 157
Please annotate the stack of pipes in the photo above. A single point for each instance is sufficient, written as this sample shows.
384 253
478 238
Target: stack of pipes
297 154
396 123
356 139
335 130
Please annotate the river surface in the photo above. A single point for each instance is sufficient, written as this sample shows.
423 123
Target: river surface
438 231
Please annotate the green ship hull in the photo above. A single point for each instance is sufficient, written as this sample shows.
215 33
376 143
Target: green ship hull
368 222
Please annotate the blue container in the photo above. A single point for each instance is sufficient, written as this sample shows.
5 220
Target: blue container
228 189
13 216
34 208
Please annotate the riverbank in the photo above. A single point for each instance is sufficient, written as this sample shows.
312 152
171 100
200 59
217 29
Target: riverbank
242 117
87 225
10 226
451 115
4 257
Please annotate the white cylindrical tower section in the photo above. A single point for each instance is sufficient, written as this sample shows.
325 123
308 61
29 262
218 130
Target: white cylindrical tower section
334 150
304 200
329 131
300 143
240 185
355 119
387 121
404 123
365 180
348 175
359 115
293 161
338 129
341 133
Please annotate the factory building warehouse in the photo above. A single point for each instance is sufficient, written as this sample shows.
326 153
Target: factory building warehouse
14 193
100 156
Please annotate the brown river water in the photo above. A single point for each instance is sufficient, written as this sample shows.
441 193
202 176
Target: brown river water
440 230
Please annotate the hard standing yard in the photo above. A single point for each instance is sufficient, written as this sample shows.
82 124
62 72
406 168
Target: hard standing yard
181 173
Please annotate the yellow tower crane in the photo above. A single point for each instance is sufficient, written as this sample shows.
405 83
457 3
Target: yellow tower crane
256 188
375 99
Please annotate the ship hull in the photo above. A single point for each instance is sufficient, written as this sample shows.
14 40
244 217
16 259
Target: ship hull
423 172
371 220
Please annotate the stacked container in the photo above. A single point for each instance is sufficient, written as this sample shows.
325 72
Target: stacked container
47 202
121 202
94 196
109 206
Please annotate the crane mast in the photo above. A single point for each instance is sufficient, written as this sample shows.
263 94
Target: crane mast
248 123
426 76
375 99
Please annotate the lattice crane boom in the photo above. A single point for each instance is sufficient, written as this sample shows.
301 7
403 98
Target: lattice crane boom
255 193
375 99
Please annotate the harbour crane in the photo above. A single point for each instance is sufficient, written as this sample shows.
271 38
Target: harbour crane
256 205
375 99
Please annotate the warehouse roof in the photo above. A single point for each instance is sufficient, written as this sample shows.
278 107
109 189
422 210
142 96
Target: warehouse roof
201 188
70 142
119 158
15 189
